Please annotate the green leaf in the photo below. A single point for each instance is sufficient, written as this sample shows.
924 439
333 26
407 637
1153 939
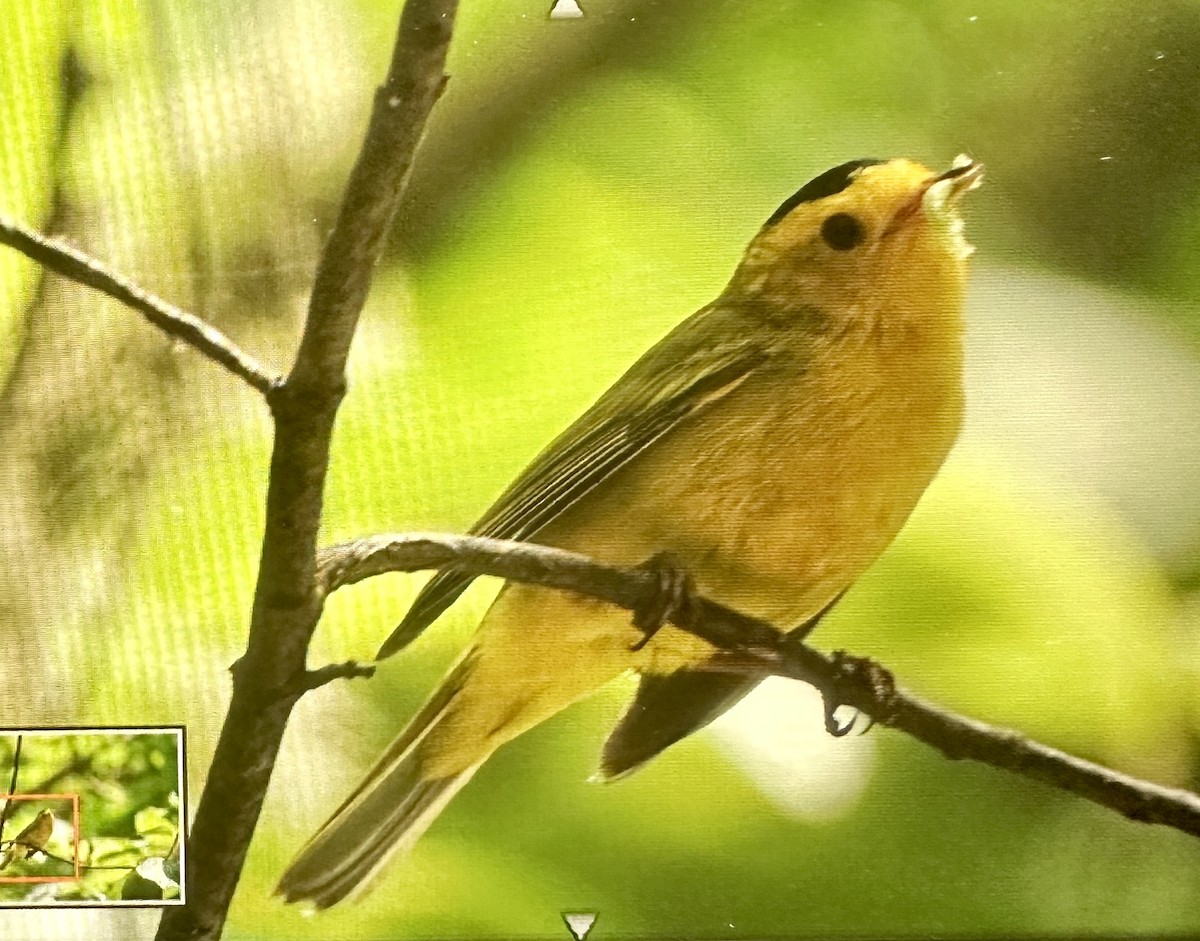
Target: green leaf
137 886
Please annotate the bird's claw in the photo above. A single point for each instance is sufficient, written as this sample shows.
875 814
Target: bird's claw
837 730
671 598
856 670
832 726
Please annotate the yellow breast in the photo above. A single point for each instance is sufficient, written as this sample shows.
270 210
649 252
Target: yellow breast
779 497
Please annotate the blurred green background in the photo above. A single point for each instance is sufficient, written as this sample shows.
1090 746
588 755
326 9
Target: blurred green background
585 184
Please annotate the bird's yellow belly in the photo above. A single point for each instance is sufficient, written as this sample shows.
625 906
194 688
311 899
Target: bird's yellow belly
774 519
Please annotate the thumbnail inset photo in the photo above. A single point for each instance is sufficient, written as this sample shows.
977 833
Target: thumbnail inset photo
91 817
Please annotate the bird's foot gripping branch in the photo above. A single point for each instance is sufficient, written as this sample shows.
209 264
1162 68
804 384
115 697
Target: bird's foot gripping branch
749 644
671 599
862 673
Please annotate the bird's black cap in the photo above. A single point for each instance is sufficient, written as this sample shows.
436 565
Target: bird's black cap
828 183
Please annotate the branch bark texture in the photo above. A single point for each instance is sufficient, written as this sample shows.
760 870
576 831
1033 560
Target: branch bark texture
272 674
71 263
752 644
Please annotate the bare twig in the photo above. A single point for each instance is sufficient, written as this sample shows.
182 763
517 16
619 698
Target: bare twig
78 266
752 644
322 676
12 785
71 862
272 674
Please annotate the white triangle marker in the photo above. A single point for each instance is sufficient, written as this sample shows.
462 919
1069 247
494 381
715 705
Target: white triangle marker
566 10
579 923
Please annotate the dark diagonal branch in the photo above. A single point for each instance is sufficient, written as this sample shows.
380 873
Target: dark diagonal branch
752 644
414 83
71 263
12 785
272 674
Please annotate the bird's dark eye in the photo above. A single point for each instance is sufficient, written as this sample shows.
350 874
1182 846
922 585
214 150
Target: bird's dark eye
842 231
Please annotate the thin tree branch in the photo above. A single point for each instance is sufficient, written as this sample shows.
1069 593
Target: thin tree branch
754 645
71 862
12 785
71 263
414 83
271 675
322 676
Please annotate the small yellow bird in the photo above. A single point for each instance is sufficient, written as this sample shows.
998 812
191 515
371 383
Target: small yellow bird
773 444
31 840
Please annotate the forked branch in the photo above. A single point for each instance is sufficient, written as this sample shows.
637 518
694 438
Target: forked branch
272 674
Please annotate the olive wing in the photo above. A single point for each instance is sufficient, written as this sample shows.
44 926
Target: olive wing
700 362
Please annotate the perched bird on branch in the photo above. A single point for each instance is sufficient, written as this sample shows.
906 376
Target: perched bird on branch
31 840
765 452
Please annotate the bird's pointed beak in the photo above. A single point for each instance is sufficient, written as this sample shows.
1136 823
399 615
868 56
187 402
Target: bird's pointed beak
964 175
939 191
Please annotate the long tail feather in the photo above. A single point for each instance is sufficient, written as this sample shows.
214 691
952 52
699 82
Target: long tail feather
384 816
